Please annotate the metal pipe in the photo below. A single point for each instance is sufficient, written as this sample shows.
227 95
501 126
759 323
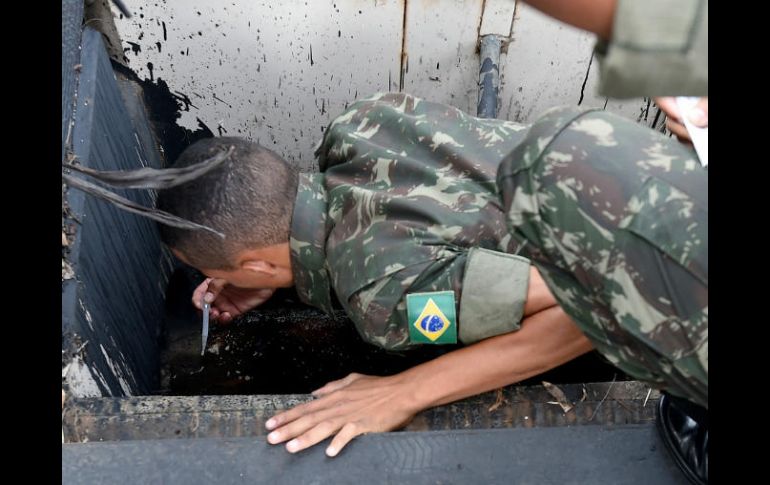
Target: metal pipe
489 76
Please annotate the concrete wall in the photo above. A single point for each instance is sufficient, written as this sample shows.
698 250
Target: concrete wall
278 72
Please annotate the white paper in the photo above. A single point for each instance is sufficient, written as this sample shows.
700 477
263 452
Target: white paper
699 136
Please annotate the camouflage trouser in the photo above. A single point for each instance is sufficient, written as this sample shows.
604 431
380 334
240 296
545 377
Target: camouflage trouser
615 217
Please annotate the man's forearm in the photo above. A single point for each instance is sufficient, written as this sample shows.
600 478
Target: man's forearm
361 404
592 15
546 340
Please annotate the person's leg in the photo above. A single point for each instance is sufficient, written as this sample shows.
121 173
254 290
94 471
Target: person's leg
614 216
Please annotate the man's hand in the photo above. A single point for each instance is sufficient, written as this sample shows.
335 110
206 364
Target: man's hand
699 116
349 407
361 404
227 301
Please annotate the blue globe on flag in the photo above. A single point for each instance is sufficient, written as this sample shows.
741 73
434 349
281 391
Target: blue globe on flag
432 323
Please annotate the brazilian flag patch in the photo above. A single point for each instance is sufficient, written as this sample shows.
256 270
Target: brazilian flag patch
432 317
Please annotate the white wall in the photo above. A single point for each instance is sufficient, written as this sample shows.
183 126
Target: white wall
247 69
549 63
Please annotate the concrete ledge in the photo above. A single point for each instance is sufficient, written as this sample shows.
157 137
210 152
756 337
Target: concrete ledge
158 417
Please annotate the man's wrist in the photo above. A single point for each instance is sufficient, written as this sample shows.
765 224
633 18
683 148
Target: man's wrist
417 391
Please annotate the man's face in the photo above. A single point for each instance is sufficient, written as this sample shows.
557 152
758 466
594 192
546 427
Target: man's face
241 278
245 277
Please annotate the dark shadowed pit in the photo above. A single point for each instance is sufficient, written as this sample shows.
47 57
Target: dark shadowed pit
286 347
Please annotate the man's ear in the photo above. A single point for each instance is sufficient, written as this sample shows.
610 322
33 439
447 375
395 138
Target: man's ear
259 266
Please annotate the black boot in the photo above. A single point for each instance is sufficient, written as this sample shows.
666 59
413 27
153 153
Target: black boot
684 427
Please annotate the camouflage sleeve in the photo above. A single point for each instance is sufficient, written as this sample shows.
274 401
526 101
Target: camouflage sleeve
658 48
490 291
494 292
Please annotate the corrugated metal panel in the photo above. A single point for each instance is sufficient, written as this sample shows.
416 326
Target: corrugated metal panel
71 19
116 301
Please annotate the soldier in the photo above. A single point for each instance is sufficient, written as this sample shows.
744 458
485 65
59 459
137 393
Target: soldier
615 217
620 230
405 229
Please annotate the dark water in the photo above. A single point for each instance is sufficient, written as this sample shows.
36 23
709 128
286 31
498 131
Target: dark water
286 347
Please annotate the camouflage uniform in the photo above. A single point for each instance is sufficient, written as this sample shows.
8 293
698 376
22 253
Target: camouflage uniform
407 202
615 217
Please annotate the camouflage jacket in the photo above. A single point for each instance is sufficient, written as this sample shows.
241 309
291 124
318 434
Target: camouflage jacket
408 203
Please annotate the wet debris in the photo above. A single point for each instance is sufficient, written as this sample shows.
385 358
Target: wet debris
558 394
67 273
649 391
585 394
499 401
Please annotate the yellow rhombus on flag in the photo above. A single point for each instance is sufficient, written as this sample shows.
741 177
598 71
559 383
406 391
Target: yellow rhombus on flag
432 322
